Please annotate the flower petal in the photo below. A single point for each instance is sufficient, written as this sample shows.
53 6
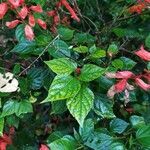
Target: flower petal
29 32
37 8
24 12
142 84
31 20
42 24
3 10
12 24
143 54
16 3
120 86
43 147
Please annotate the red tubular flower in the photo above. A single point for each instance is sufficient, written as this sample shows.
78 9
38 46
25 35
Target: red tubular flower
124 74
12 24
37 8
43 147
120 86
51 13
137 8
16 3
3 10
42 24
72 12
29 32
143 54
4 141
24 12
142 84
31 20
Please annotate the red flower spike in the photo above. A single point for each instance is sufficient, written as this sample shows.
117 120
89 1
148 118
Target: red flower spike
43 147
24 12
143 54
137 8
37 8
16 3
42 24
31 20
12 24
3 10
72 12
29 32
142 84
120 86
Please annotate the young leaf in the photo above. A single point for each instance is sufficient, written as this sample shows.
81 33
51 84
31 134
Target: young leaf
1 126
61 65
62 87
90 72
81 49
80 105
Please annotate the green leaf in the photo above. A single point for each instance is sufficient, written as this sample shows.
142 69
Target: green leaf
117 63
128 63
148 66
81 49
65 33
9 108
147 41
1 126
80 105
113 49
43 39
63 87
24 107
65 143
61 65
118 125
37 76
137 121
19 33
117 146
99 53
87 129
58 107
103 107
90 72
143 135
12 106
24 47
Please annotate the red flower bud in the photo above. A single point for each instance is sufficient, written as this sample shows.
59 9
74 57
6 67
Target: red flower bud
31 20
42 24
12 24
37 8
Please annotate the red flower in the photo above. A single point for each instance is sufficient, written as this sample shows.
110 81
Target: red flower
42 24
24 12
12 24
29 32
137 8
143 54
3 9
4 141
72 12
37 8
43 147
16 3
120 86
142 84
31 20
51 13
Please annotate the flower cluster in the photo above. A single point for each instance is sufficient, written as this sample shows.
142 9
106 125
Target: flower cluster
24 11
142 80
55 15
139 7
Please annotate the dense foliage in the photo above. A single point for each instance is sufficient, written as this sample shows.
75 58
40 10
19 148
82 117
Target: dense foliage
75 74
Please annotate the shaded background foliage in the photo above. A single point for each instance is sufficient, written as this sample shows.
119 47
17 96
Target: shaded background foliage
105 25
